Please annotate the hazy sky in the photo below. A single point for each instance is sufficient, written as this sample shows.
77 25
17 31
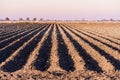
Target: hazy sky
60 9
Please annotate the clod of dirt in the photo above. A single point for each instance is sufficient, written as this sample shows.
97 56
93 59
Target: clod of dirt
19 76
57 73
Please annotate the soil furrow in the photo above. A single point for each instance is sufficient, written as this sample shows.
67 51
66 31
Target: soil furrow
101 61
17 40
106 49
114 45
103 37
65 60
42 62
96 45
104 43
54 59
23 54
78 61
6 33
25 29
10 35
90 63
6 42
25 43
4 54
34 54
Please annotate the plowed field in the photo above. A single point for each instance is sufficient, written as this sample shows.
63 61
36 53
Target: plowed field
50 51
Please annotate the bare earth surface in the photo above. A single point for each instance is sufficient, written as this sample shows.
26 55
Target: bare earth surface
60 51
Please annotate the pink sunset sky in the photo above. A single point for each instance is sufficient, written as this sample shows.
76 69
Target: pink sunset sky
60 9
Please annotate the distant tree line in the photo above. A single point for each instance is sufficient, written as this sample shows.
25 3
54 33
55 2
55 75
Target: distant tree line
27 19
41 19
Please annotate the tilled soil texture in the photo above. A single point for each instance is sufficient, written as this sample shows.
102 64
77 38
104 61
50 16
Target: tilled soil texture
59 51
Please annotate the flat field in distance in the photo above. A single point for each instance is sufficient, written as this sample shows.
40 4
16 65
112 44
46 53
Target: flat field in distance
60 50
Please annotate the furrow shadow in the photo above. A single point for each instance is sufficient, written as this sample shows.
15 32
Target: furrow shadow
65 60
10 35
13 28
5 43
102 37
100 41
114 62
4 54
21 58
90 63
42 62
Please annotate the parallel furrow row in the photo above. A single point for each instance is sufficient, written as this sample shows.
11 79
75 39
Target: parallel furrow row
12 34
92 50
58 47
20 56
112 40
5 53
34 54
7 41
111 49
107 37
111 55
78 61
9 33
